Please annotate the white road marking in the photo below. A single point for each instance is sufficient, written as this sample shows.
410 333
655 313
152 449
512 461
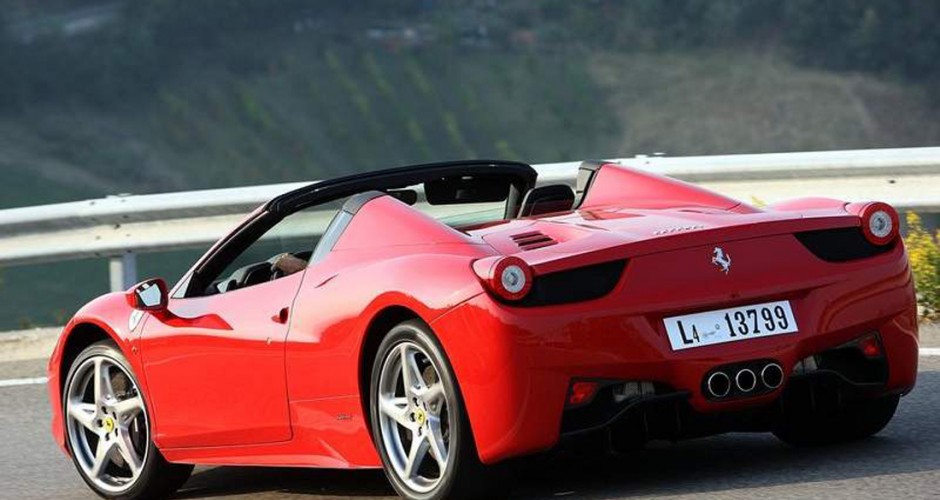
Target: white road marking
924 351
23 381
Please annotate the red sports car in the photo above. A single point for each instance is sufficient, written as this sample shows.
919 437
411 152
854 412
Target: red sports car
633 307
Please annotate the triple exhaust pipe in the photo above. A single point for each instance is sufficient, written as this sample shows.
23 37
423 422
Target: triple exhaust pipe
743 381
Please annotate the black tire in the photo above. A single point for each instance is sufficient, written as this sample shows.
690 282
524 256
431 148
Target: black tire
465 477
856 420
158 478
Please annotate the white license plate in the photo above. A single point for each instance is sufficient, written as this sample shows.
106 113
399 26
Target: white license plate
730 325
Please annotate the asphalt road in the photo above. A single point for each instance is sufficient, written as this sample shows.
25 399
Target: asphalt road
902 461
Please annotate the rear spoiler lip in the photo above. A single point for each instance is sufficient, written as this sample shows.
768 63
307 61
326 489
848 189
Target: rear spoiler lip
552 259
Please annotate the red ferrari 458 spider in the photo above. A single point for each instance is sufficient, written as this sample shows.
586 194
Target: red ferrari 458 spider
632 307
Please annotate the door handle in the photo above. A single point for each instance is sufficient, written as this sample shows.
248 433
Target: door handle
282 316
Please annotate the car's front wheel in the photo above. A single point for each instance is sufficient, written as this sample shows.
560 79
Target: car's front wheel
855 420
108 429
419 422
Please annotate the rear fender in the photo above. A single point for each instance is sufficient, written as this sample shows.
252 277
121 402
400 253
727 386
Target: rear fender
331 331
327 340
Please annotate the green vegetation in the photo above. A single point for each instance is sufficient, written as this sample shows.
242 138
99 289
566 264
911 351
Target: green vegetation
321 112
176 95
923 249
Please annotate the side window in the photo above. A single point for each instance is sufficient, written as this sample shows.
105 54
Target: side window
282 250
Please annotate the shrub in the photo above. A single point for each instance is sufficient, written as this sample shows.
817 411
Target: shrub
923 249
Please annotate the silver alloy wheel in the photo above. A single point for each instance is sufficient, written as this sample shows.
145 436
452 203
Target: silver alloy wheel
414 417
107 424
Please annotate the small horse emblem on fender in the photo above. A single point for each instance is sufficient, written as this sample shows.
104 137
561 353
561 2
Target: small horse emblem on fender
721 259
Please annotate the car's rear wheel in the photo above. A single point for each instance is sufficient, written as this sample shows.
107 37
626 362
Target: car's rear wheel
419 423
108 429
855 420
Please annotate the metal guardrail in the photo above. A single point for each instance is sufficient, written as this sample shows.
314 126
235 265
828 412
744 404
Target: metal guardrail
119 227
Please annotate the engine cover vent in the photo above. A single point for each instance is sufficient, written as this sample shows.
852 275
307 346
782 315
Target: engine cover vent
532 240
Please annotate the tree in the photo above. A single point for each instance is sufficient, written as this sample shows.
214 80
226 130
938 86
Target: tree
897 36
6 66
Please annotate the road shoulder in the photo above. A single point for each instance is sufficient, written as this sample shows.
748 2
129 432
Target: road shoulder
28 344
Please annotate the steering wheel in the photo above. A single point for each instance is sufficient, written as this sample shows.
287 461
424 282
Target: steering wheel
276 272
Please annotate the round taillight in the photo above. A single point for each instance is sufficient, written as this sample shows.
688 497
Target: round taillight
511 278
879 223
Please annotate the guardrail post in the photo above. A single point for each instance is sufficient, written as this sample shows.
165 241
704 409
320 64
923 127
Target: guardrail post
123 271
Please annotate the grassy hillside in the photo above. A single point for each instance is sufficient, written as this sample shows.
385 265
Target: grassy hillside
315 110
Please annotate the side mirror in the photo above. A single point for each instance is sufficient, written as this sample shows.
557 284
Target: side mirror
150 295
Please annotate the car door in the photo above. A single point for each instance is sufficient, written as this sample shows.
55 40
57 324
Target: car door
215 367
214 362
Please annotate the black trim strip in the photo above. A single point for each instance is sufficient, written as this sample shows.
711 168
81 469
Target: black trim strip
522 178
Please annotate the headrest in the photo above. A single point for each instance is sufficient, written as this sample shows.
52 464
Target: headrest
547 199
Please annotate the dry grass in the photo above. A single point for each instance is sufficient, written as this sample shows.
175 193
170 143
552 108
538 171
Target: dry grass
712 103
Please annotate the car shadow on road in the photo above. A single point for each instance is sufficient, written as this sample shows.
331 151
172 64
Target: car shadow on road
911 443
256 481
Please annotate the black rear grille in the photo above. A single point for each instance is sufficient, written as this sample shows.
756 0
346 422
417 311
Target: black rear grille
841 245
574 285
532 240
849 362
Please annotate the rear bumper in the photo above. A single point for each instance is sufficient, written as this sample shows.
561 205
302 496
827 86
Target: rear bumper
671 417
515 373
